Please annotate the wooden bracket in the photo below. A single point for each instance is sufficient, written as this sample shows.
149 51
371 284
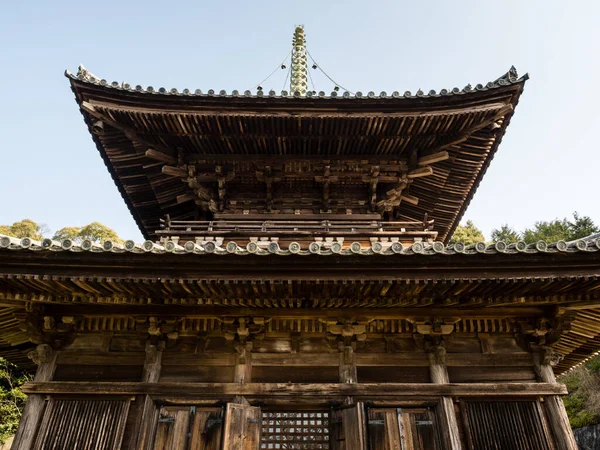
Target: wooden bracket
243 329
434 326
56 331
42 354
346 332
543 331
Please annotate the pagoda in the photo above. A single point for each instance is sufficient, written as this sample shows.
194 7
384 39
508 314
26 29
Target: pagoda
296 288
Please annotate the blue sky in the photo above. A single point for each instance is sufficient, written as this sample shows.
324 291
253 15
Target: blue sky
547 165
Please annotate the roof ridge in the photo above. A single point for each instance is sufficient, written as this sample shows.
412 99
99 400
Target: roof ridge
507 79
319 247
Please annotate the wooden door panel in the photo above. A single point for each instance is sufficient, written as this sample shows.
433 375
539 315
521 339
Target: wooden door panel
242 427
347 428
402 429
188 428
206 430
383 430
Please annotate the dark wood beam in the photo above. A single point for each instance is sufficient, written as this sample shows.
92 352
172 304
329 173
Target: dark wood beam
295 390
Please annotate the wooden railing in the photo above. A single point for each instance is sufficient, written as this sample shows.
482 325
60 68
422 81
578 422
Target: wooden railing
331 227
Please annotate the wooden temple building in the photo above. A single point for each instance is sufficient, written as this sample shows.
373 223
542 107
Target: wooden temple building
296 289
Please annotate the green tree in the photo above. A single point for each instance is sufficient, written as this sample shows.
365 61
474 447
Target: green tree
583 402
581 227
94 231
561 229
12 398
549 231
24 228
506 234
467 234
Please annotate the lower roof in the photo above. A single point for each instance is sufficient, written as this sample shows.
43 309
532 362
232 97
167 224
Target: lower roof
535 282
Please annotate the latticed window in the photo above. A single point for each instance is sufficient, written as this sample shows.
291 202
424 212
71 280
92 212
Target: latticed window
295 430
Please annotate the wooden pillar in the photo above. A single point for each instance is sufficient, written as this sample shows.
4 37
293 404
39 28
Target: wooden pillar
243 366
553 404
45 357
142 437
347 365
439 375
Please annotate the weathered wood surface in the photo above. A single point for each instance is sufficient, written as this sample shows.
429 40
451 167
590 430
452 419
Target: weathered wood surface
554 406
501 424
291 390
86 424
242 427
147 414
384 429
188 428
353 419
34 408
347 366
439 376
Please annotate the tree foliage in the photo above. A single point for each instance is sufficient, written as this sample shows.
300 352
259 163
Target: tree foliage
12 398
95 231
24 228
583 402
549 231
581 227
467 234
507 234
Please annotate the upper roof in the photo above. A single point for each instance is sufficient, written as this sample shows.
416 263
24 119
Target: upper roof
166 149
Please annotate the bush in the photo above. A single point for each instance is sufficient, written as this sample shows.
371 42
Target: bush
12 399
583 401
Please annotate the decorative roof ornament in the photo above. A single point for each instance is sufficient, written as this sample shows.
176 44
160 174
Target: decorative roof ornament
86 75
299 75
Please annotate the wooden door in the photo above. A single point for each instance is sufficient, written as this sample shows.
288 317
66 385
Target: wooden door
189 428
402 429
347 429
242 427
383 426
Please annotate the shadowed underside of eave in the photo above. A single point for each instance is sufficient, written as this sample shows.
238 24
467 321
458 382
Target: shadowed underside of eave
493 285
243 135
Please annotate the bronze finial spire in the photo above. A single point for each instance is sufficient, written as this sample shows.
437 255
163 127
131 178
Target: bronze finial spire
299 75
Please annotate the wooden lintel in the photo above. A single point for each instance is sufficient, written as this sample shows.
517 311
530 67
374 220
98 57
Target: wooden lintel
291 390
357 314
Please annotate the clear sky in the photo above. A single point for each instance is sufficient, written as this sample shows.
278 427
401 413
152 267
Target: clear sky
546 167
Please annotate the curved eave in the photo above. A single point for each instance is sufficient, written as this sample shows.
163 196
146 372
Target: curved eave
86 86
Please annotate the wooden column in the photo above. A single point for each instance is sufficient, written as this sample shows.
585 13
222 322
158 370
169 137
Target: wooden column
553 404
243 366
142 437
347 365
439 375
45 357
